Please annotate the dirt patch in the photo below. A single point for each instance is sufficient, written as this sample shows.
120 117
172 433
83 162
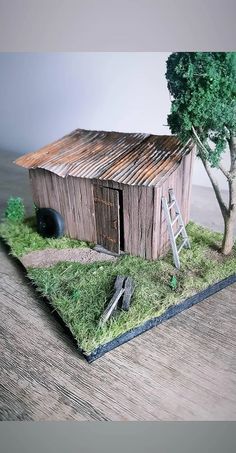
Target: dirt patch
216 255
50 257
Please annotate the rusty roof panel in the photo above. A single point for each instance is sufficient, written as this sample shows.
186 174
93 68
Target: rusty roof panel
128 158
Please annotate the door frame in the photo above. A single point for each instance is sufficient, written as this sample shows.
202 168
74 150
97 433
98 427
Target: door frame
108 204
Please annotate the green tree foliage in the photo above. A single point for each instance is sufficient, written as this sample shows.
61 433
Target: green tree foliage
203 90
15 211
203 86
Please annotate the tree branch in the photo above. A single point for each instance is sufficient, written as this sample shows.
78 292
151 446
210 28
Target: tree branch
225 172
200 144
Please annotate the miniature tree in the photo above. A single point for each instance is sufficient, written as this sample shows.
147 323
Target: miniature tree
203 90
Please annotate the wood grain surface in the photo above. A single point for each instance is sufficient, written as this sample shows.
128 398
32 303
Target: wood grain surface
106 203
185 369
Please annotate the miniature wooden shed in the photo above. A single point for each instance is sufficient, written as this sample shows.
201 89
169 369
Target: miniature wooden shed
108 186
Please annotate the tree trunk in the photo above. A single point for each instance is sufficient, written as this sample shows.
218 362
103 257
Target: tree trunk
230 217
228 212
228 239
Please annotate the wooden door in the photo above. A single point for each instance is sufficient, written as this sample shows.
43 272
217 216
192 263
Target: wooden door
106 202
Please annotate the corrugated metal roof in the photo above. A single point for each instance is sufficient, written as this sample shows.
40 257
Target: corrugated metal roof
128 158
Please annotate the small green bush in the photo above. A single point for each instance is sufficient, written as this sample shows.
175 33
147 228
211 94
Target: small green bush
15 211
173 283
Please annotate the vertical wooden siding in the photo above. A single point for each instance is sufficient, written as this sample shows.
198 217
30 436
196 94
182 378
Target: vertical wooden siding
138 220
72 197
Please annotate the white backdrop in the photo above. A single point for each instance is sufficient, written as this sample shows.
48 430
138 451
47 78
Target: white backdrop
44 96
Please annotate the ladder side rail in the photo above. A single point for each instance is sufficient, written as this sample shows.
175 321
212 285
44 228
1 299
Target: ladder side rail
171 233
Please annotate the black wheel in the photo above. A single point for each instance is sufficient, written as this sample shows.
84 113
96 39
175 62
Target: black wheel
50 224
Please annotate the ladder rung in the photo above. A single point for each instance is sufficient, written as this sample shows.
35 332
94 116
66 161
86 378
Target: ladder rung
181 246
179 231
176 218
170 206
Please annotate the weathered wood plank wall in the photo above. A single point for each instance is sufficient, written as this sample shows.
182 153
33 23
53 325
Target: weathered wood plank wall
72 197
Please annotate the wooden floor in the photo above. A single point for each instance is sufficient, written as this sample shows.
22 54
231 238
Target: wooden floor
184 369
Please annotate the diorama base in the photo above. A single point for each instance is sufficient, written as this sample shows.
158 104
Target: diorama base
170 312
78 281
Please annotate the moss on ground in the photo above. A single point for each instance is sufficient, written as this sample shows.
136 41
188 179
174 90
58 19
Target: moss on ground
80 292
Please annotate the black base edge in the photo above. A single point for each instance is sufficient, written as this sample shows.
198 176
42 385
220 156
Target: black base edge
169 313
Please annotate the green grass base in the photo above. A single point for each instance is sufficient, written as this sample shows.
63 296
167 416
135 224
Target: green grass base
80 292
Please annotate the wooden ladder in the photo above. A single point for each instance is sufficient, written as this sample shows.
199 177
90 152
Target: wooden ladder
168 206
